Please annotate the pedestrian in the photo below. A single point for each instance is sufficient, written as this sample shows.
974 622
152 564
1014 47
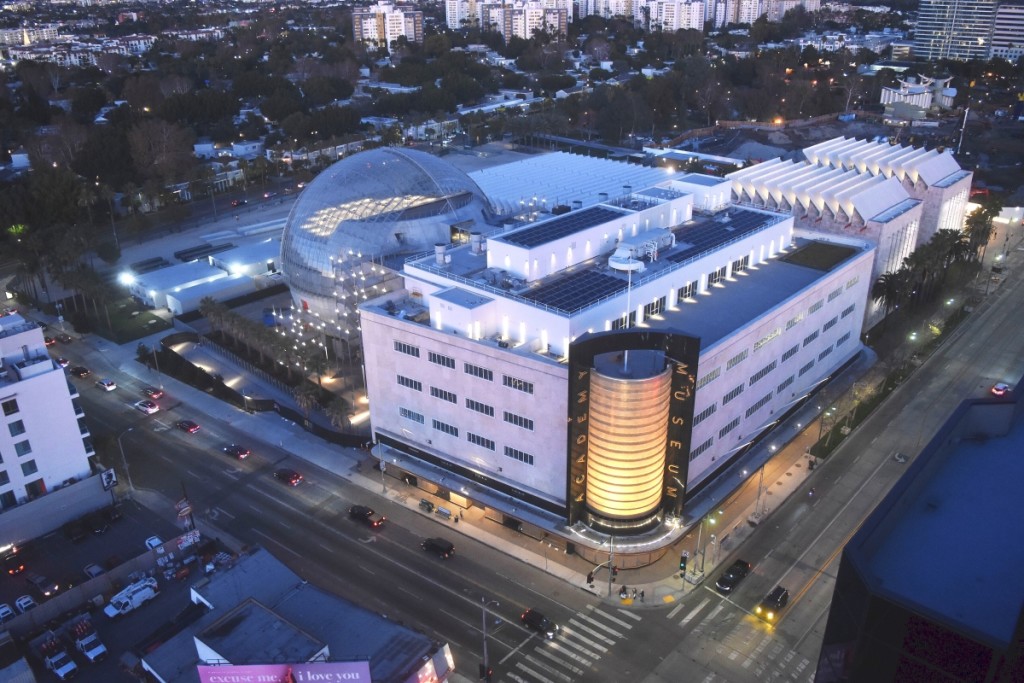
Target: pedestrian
634 594
641 595
456 520
460 515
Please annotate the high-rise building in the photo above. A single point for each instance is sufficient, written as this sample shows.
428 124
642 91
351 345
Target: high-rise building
954 29
1008 33
384 23
43 437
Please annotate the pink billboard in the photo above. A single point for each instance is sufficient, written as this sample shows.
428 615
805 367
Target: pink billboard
312 672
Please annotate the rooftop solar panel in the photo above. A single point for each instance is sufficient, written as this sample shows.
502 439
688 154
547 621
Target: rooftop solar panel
564 225
576 290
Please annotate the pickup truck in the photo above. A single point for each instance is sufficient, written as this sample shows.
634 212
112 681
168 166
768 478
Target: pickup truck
54 655
133 596
83 635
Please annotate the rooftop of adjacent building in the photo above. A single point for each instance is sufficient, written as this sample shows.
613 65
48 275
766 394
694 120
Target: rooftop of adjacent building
944 542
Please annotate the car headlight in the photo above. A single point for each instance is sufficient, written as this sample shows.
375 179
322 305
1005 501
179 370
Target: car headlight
758 609
770 616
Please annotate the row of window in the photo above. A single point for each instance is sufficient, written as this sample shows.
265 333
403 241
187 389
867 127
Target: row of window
733 394
760 374
470 369
10 406
444 395
440 426
761 403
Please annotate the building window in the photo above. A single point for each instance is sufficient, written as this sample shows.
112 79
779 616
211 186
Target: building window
704 414
413 384
830 324
848 310
443 395
807 368
810 338
737 359
620 324
17 427
833 295
793 322
446 361
10 406
519 420
687 291
842 340
23 448
654 308
708 378
29 467
760 374
445 427
477 371
481 441
852 282
816 307
407 349
695 453
790 353
782 387
717 276
411 415
824 353
5 478
480 407
761 403
733 394
519 455
517 384
728 428
740 265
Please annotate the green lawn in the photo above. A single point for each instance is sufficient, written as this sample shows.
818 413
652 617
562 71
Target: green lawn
127 321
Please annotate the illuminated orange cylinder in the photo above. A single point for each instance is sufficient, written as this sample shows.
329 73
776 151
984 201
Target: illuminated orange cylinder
628 426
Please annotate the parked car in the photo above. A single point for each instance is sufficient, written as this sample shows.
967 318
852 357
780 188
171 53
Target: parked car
440 547
93 570
147 407
98 523
187 426
14 563
290 477
533 619
154 542
236 451
106 384
367 516
44 586
25 604
736 572
153 392
80 371
62 361
773 603
6 613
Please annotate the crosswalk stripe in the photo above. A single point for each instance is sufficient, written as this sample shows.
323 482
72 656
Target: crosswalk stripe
545 652
627 613
714 613
567 642
570 635
601 626
609 617
592 632
689 617
675 610
518 679
560 647
547 669
537 676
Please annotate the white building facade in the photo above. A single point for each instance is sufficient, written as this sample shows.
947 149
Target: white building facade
44 440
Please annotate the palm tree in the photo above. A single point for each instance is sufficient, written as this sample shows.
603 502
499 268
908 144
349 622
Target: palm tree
306 396
337 412
889 290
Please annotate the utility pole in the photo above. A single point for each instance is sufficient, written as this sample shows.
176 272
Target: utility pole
485 667
611 562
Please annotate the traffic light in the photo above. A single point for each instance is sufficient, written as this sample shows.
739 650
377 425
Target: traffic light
682 563
486 672
590 577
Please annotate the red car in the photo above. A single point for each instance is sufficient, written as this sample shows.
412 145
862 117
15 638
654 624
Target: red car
49 341
290 477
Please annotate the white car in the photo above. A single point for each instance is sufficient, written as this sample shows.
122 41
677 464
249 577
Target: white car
6 613
25 603
106 384
153 542
148 407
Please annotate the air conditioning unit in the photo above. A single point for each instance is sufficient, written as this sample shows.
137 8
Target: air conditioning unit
503 344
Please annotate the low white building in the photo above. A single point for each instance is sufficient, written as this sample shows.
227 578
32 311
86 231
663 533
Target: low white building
607 364
153 287
44 439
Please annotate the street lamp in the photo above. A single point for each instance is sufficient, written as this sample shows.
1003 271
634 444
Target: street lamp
124 461
484 604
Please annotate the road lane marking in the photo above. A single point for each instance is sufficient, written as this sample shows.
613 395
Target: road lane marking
592 632
547 669
546 652
689 617
609 617
601 626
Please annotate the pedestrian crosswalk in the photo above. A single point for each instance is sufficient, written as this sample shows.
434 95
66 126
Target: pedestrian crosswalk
581 643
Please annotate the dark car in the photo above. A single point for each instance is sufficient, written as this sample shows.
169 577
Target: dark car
64 338
440 547
75 531
80 371
187 426
98 523
538 622
769 608
153 392
13 560
290 477
367 516
238 202
732 576
236 451
49 341
43 585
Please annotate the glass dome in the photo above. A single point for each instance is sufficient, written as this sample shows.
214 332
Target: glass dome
372 205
